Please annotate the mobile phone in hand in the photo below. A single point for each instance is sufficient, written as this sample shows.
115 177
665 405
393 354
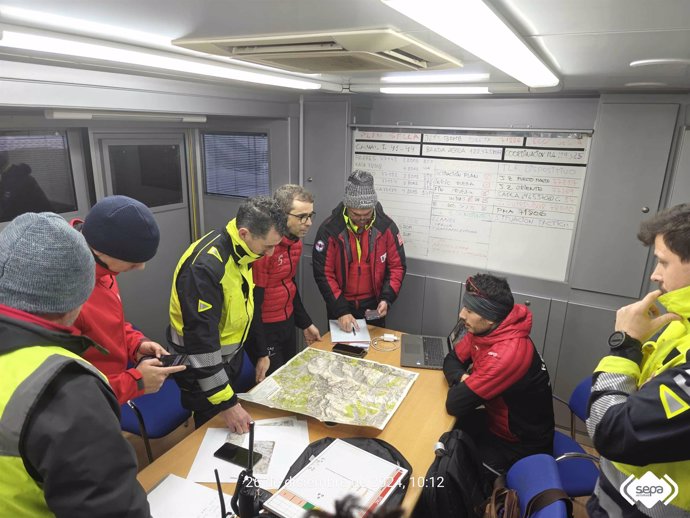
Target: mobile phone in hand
350 350
236 455
171 360
371 314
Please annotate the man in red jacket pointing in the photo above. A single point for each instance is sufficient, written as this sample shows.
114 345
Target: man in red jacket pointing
122 235
495 364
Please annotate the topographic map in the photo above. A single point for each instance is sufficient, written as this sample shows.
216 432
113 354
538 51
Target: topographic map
337 388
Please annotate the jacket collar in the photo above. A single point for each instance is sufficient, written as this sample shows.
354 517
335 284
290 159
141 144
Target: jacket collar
241 252
19 329
677 301
102 271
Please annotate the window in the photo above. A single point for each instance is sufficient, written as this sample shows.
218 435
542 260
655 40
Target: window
236 164
35 173
151 173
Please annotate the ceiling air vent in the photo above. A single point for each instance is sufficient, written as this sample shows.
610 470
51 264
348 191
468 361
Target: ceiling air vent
349 51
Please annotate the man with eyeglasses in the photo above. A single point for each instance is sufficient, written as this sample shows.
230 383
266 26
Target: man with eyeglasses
275 290
358 257
495 364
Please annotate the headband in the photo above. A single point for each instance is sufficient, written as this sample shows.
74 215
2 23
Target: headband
489 309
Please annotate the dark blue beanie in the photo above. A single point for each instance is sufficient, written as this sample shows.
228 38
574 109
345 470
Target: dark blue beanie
123 228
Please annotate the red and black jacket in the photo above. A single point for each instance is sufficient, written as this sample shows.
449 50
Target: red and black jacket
274 275
507 376
332 254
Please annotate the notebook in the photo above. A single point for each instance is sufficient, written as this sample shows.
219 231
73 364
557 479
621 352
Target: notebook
428 352
341 469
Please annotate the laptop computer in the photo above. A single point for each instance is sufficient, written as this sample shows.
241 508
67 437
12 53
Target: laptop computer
428 352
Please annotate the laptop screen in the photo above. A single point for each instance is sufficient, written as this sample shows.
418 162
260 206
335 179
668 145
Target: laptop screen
456 334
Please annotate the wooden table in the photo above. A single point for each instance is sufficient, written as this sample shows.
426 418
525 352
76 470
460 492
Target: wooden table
413 430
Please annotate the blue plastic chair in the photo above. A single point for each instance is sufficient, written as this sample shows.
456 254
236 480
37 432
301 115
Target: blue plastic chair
152 416
247 377
530 476
578 469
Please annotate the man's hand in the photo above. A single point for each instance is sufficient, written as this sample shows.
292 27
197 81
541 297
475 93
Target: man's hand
237 419
347 323
464 377
642 319
154 374
311 334
262 365
150 348
382 308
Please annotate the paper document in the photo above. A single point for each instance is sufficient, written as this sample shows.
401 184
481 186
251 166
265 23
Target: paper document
339 470
359 338
176 497
279 441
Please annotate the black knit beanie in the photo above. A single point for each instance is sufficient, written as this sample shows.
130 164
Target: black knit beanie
123 228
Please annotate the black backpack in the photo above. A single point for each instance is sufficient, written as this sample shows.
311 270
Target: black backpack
453 486
378 447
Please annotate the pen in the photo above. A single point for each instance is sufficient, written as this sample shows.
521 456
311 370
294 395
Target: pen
353 330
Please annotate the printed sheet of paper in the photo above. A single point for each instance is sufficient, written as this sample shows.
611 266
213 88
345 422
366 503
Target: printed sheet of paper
280 442
176 497
337 388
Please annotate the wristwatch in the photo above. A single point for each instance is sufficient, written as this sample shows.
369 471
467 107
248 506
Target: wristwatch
620 339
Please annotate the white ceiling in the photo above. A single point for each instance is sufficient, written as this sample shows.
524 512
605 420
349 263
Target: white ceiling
589 44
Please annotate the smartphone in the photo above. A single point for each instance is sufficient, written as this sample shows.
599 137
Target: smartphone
236 455
371 314
350 350
170 360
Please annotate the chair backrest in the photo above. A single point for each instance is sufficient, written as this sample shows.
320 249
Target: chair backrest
580 397
247 378
530 476
162 412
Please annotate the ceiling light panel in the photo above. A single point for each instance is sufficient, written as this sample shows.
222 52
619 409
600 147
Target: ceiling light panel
112 52
429 77
435 90
472 25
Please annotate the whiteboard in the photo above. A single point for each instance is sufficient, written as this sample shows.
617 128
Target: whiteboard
497 201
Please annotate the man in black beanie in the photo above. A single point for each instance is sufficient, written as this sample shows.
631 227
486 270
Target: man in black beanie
122 235
495 364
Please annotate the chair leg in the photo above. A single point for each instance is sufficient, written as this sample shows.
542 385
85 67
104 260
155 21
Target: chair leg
142 429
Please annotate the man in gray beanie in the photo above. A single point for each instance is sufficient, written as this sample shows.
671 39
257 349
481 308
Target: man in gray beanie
358 257
122 235
62 452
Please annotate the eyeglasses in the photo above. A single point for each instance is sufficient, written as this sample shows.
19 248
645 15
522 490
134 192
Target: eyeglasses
471 287
303 218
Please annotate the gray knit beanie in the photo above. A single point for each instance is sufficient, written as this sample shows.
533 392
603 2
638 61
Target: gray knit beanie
45 265
359 191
